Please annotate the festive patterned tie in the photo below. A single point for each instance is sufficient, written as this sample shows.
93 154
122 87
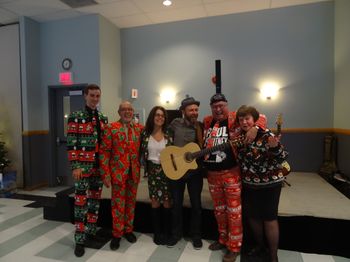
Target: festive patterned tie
96 134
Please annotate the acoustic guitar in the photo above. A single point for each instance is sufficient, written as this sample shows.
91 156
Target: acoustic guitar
176 161
285 166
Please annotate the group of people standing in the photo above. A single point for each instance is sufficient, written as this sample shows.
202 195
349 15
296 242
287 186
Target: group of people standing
112 154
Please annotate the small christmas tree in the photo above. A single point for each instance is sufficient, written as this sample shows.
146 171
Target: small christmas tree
4 161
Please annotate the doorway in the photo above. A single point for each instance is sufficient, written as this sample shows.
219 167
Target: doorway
62 101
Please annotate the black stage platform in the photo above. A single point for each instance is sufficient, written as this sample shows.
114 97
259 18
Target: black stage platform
297 233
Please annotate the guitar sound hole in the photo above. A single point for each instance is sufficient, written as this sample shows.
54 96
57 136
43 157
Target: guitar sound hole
188 157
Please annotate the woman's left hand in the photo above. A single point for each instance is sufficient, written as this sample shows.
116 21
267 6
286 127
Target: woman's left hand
273 141
250 135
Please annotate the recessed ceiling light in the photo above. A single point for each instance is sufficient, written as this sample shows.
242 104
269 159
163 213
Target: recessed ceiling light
167 3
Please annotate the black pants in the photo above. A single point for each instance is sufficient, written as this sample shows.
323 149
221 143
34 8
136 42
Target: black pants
194 183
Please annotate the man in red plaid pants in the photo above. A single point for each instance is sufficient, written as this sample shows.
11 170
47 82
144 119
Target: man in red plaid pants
224 176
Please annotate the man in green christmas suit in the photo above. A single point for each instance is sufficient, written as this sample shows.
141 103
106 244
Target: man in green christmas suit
83 140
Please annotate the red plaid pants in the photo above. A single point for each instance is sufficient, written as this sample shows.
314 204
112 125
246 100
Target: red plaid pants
225 190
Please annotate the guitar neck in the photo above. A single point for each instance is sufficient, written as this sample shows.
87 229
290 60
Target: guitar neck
278 131
219 147
279 124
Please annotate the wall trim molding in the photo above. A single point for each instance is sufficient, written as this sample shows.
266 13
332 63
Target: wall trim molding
306 130
314 130
342 131
35 132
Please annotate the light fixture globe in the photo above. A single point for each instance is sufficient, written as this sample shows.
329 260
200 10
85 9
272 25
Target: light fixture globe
167 2
269 90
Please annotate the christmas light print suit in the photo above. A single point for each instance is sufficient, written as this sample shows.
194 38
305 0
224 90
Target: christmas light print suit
119 160
83 144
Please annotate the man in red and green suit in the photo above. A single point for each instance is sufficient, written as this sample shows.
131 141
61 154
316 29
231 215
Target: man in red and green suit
83 140
120 167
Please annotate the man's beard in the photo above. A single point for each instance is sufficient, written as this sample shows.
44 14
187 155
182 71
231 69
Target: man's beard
220 117
191 119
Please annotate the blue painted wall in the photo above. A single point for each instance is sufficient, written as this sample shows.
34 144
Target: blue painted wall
32 109
110 68
342 82
342 64
292 45
76 38
31 73
93 44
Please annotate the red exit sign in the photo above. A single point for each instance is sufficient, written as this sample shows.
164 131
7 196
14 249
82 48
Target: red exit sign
66 78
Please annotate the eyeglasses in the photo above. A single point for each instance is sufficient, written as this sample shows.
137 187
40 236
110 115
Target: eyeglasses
219 106
159 115
126 109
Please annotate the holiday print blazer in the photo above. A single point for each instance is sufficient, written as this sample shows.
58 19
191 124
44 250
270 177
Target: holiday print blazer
119 152
82 140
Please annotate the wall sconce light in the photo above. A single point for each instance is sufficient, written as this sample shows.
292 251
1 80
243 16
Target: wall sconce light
269 90
167 96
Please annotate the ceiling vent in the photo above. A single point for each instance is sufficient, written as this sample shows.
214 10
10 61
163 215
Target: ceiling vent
79 3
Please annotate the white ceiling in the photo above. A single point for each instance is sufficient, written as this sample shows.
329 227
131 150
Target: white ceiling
131 13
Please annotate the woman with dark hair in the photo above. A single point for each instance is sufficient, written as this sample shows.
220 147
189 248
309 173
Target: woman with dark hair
262 177
154 138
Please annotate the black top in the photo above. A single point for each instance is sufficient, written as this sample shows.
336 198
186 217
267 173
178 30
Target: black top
218 160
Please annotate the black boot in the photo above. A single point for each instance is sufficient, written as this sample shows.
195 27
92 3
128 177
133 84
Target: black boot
115 243
79 250
157 226
167 224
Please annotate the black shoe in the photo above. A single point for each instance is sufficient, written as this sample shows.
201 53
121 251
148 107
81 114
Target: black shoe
158 239
172 241
79 250
257 252
115 243
216 246
130 237
197 243
230 256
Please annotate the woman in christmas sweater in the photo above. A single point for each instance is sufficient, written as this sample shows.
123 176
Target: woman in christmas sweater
262 177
